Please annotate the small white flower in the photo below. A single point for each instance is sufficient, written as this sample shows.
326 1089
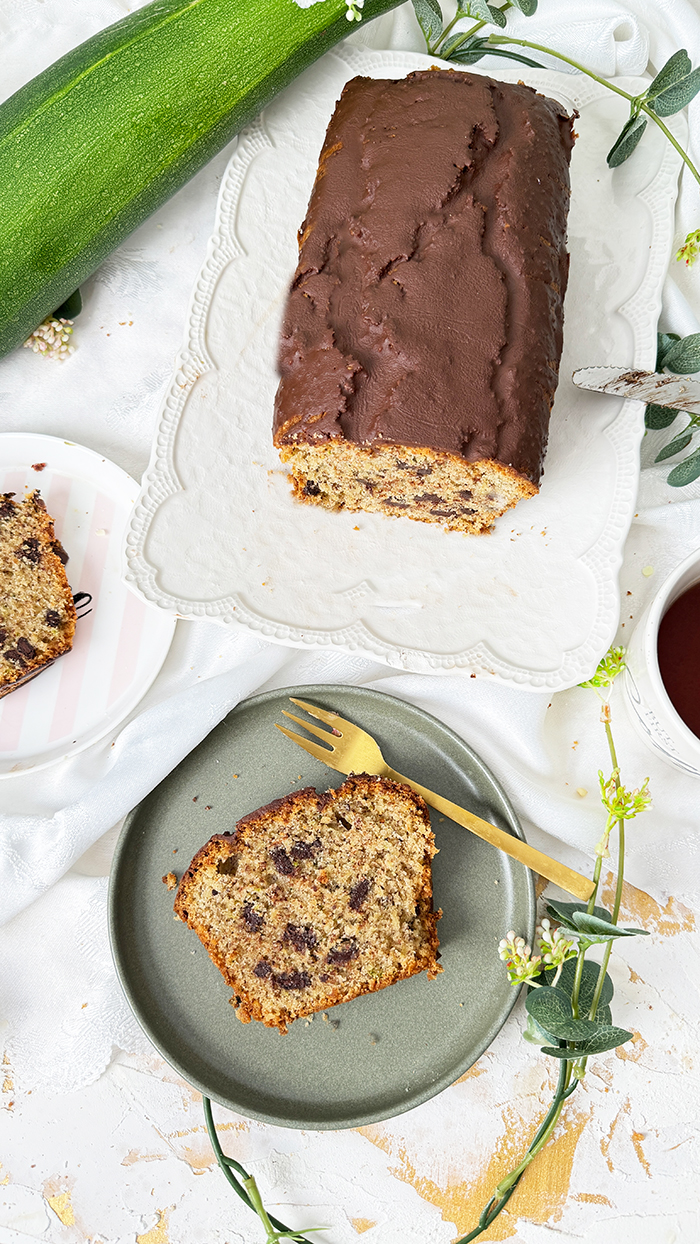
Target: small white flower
51 339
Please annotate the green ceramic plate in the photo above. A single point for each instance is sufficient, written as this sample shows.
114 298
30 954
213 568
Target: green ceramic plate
378 1055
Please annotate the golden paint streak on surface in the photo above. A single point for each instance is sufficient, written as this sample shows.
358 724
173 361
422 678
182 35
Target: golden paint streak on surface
592 1198
541 884
472 1073
200 1159
159 1233
641 908
606 1141
8 1085
134 1156
62 1208
362 1224
633 1055
635 977
540 1196
637 1138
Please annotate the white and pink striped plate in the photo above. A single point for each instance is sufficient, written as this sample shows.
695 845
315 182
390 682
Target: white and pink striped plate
120 642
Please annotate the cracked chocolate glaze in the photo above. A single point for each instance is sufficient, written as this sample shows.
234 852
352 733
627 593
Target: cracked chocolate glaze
426 309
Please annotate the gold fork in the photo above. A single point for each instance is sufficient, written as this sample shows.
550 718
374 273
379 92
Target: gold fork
352 750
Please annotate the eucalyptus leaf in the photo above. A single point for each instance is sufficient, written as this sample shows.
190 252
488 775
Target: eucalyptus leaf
602 930
684 355
429 15
674 447
528 7
656 417
564 912
627 140
498 17
608 1039
685 472
476 8
468 54
587 987
677 66
664 342
534 1034
677 96
550 1007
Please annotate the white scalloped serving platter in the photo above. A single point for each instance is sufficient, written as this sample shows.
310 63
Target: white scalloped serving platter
215 532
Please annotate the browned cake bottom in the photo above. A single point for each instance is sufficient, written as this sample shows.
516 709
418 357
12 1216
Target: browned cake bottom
37 614
417 483
317 898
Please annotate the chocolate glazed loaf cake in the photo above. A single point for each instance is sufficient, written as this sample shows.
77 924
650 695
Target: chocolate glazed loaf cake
423 330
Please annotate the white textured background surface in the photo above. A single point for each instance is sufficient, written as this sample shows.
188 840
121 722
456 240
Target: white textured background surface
119 1156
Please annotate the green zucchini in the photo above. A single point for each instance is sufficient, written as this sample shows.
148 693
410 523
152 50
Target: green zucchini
102 138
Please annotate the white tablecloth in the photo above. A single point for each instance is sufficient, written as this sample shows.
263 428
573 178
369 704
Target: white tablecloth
107 397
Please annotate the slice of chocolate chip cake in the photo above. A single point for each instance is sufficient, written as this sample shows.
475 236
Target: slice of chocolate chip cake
317 898
37 614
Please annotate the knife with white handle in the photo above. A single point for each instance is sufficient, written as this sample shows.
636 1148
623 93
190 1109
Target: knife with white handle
654 388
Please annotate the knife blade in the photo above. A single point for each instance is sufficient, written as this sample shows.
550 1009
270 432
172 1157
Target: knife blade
654 388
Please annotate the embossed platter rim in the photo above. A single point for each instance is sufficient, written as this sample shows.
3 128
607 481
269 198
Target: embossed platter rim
567 596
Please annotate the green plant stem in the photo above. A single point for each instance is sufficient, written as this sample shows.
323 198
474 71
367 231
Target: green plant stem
633 100
507 1186
580 1068
439 42
467 34
248 1192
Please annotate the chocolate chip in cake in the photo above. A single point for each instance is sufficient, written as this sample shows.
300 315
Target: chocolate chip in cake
262 969
60 551
301 938
342 820
466 494
292 980
311 489
367 483
252 919
304 850
16 658
24 646
343 953
359 893
282 862
53 618
7 508
3 637
29 551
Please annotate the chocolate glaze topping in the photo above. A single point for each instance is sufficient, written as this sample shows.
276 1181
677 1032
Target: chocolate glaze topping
426 309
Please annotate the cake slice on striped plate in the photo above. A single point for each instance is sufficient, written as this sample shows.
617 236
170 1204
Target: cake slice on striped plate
37 614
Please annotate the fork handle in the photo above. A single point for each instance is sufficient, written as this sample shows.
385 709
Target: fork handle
573 882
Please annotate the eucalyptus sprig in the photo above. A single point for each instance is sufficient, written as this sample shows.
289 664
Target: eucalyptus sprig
568 1000
673 88
682 356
